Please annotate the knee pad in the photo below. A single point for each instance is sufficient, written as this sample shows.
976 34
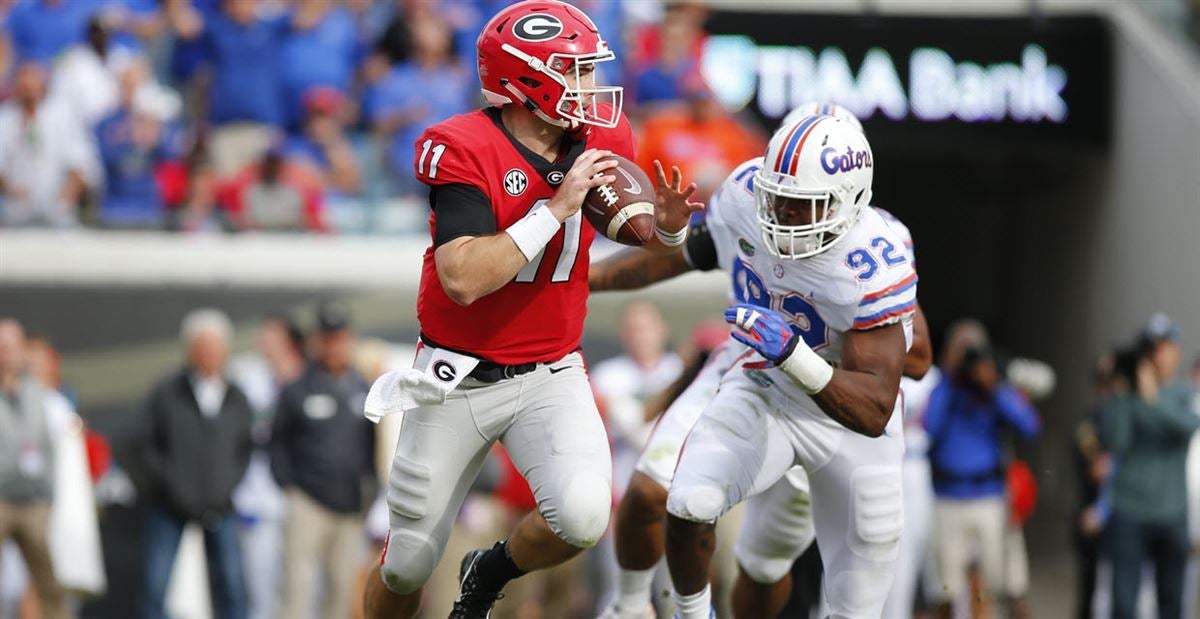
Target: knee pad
878 512
408 488
762 569
408 561
767 547
581 514
700 503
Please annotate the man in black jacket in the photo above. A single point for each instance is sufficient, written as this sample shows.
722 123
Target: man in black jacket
196 449
322 453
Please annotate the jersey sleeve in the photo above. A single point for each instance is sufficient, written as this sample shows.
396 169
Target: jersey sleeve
901 231
445 156
722 235
727 204
700 251
890 300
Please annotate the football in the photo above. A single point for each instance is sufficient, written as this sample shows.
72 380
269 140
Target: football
623 210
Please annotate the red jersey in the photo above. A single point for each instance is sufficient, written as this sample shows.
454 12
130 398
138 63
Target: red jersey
539 315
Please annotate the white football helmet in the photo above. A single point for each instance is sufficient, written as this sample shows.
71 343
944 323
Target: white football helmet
821 159
817 107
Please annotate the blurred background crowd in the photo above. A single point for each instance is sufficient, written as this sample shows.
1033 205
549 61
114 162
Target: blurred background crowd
162 460
259 491
228 115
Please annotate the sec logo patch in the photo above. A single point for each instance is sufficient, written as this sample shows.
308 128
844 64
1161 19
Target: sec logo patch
515 182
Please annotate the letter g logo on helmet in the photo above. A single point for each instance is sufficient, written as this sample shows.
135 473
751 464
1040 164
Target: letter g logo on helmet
537 27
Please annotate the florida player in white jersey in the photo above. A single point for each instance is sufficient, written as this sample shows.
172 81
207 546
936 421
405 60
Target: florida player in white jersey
777 528
763 583
825 282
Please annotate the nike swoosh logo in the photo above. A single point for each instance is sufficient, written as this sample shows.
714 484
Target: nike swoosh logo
634 186
557 370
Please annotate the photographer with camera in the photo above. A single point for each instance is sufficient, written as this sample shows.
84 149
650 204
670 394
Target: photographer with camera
1147 426
964 418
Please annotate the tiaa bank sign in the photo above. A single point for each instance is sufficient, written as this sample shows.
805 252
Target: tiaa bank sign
1002 72
938 87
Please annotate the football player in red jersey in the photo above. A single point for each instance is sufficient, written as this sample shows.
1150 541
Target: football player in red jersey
501 306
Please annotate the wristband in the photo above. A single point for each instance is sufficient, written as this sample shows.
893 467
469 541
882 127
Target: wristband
533 231
671 239
808 369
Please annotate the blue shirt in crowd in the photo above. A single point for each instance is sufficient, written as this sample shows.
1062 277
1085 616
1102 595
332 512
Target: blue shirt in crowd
440 93
656 84
131 193
303 148
324 55
246 80
188 56
41 29
964 433
138 10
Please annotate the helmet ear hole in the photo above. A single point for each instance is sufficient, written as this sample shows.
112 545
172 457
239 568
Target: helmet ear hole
529 82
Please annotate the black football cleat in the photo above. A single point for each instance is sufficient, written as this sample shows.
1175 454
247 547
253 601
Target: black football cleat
473 602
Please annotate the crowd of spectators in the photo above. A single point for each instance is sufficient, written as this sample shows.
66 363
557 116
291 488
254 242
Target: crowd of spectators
229 115
266 457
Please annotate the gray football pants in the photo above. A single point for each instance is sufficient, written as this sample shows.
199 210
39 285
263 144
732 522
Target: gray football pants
548 422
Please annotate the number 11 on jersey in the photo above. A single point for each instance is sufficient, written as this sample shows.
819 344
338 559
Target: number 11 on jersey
572 230
433 163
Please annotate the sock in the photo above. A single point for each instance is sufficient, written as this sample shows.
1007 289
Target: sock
633 590
694 606
495 568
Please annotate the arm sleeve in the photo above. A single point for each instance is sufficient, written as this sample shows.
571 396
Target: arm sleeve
460 210
1017 411
700 251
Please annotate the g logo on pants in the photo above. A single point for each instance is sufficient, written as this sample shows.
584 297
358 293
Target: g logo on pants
444 371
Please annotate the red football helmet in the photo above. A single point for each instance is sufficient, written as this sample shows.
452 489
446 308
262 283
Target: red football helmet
528 52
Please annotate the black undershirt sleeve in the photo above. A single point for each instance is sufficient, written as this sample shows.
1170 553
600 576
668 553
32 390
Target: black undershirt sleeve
700 250
460 210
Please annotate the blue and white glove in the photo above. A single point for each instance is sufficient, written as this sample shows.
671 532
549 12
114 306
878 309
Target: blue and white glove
772 337
764 330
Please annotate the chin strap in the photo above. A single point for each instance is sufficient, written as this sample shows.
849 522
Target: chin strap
532 106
